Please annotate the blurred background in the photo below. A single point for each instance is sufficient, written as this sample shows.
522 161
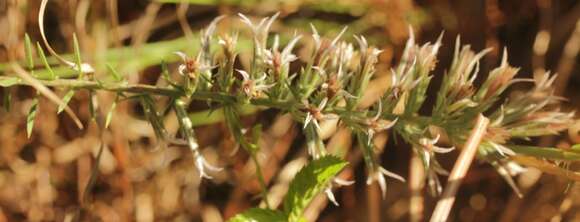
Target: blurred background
42 177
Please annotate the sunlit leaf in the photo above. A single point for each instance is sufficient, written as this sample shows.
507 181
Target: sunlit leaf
31 116
114 73
259 215
77 53
7 99
93 104
7 81
28 52
110 113
65 100
310 181
45 61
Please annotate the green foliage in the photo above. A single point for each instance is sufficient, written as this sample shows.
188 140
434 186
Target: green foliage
259 215
6 99
65 100
44 60
329 85
310 181
6 81
28 52
152 116
77 54
548 152
114 73
31 116
110 113
93 104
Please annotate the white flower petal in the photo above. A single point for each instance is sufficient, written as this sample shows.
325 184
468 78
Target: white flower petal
330 195
342 182
307 120
244 74
391 174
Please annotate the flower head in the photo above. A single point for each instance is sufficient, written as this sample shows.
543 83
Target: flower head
376 124
320 45
259 30
276 59
190 67
253 87
229 42
314 114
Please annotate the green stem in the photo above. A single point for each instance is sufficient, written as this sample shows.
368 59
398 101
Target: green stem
545 152
261 179
207 117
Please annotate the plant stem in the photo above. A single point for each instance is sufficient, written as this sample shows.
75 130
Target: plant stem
546 167
261 180
546 152
416 185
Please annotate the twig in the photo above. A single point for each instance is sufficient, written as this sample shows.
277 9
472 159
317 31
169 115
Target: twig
568 60
416 184
143 28
114 16
42 89
547 167
373 202
542 40
182 18
460 168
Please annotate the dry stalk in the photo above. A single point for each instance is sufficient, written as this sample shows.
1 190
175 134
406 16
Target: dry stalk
416 185
460 169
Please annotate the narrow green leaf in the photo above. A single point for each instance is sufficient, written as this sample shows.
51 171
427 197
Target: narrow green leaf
307 183
165 71
110 113
156 121
42 56
7 81
93 176
546 152
575 148
30 118
93 104
65 100
256 133
28 52
259 215
7 99
114 73
77 53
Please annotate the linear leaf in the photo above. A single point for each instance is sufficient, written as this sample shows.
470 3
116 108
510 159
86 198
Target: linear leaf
93 104
311 180
546 152
114 73
67 97
165 71
7 81
28 52
77 53
259 215
31 115
42 56
110 113
7 99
